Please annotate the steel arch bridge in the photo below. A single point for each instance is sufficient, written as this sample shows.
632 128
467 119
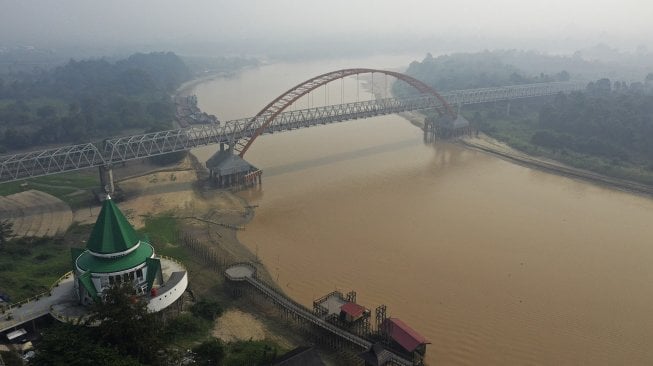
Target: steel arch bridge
283 101
241 133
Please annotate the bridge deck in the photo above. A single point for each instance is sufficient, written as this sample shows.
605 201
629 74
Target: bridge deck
117 150
31 309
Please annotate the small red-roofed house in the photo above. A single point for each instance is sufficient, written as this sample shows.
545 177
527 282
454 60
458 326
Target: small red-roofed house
405 336
350 312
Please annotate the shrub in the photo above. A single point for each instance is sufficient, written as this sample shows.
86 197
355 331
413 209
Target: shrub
210 352
183 325
208 310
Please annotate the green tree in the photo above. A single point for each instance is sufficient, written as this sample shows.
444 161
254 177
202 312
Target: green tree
125 323
209 353
69 345
46 112
208 310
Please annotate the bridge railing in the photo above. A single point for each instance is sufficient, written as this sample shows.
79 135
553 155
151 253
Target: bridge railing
42 294
50 161
120 149
484 95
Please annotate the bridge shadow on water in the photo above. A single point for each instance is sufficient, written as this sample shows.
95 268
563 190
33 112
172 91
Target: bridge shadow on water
338 157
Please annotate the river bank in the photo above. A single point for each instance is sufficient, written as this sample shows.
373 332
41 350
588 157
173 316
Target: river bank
186 88
487 144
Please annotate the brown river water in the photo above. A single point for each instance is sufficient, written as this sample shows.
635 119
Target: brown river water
493 262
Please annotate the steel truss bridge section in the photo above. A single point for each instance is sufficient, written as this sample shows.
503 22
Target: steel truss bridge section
271 111
486 95
121 149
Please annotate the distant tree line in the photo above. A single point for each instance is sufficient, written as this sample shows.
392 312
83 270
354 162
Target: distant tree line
612 120
471 70
89 99
608 127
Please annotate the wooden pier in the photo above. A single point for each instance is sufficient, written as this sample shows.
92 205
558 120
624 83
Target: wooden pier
246 272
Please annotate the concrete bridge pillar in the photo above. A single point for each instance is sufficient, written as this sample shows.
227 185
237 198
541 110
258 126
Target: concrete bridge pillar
106 179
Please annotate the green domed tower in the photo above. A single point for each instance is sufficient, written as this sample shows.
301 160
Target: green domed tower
115 254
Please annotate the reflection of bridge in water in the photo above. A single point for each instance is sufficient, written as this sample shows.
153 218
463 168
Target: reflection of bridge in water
238 135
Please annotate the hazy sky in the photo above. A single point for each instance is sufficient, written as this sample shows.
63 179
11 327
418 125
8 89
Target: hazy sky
134 22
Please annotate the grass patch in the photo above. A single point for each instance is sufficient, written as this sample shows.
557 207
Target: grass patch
64 186
80 180
11 188
162 230
29 266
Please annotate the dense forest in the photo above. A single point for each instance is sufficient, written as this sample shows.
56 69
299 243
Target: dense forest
607 128
82 100
612 120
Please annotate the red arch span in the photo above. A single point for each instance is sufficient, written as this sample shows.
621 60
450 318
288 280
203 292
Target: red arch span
284 100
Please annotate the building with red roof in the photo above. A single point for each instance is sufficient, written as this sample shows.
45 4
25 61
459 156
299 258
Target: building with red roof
351 312
405 336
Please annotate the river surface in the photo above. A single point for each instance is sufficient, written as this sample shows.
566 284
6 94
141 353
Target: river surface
493 262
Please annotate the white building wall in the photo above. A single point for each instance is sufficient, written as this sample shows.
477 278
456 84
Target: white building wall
170 295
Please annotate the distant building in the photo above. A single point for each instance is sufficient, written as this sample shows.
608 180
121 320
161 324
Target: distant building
115 254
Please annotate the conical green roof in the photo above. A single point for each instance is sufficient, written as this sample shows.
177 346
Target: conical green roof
112 232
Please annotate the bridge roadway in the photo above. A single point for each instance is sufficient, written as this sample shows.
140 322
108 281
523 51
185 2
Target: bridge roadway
246 272
121 149
38 306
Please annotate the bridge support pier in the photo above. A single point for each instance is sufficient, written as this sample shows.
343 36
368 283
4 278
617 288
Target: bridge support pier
106 179
227 170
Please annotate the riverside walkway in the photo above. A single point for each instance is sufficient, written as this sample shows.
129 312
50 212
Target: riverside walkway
245 272
38 306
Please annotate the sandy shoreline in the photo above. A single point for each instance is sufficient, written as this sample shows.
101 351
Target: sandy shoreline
186 88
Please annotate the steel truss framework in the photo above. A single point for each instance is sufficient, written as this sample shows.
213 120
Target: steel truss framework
270 112
117 150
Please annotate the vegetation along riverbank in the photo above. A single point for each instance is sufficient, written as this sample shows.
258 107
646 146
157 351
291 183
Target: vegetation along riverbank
603 134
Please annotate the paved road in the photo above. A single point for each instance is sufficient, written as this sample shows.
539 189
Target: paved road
38 308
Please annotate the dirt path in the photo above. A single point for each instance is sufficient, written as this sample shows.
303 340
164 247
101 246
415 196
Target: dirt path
237 325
